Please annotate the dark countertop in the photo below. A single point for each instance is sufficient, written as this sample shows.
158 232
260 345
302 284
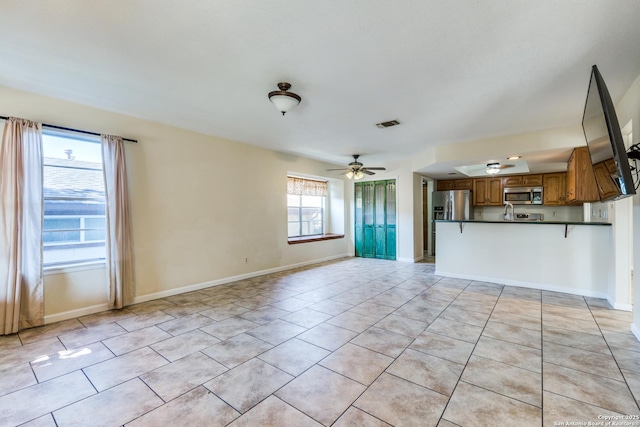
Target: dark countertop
524 222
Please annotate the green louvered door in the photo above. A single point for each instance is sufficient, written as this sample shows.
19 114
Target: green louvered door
368 236
375 219
390 222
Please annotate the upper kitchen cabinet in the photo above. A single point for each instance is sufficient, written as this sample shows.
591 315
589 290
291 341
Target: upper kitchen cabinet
454 184
534 180
581 182
603 172
487 192
555 189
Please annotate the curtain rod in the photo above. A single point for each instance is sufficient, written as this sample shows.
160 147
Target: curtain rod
76 130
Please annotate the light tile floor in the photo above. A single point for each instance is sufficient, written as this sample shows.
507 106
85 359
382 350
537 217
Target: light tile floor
353 342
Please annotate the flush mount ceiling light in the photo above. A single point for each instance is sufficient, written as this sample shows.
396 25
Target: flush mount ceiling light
493 168
514 157
284 100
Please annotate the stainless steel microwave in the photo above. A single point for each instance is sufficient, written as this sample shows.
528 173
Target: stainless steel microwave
523 195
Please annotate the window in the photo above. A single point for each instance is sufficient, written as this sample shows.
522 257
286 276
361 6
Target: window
74 199
306 206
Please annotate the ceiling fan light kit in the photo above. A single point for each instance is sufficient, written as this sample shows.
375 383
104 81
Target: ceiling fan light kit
283 99
356 170
493 168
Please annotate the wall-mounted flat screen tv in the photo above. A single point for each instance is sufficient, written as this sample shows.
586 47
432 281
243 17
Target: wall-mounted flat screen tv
604 139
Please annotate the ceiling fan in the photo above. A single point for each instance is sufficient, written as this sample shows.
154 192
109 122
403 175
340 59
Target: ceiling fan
494 168
356 170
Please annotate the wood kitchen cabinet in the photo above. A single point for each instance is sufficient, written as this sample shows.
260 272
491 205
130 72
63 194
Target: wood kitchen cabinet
554 189
581 182
534 180
463 184
603 172
487 192
454 184
445 184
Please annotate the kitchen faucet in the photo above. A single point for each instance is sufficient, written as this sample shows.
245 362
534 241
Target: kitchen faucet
506 216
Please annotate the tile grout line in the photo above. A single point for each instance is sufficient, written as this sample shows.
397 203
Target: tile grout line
474 345
275 288
343 345
384 370
614 357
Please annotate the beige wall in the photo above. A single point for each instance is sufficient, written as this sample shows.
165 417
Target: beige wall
200 206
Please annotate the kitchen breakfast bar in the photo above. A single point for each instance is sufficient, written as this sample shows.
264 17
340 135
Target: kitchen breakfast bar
571 257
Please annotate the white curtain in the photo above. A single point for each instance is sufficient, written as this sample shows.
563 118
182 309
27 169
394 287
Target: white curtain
118 224
21 216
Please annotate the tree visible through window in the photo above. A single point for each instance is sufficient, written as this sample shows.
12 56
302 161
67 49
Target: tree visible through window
305 206
74 199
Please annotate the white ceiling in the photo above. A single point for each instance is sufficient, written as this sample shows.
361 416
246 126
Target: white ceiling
449 71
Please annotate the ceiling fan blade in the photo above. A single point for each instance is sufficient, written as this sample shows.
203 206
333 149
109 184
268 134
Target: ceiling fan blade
367 172
506 166
376 169
340 169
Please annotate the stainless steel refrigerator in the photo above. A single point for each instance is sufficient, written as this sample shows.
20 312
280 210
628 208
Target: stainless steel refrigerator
450 205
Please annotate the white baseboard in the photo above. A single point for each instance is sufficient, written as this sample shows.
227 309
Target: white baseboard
619 306
523 284
72 314
412 260
405 260
204 285
84 311
636 331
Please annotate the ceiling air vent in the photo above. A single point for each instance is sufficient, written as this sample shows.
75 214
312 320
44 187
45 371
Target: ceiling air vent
387 124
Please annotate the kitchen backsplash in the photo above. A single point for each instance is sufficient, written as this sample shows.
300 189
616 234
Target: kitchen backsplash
551 213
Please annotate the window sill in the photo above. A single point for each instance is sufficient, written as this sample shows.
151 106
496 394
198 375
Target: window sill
316 238
71 268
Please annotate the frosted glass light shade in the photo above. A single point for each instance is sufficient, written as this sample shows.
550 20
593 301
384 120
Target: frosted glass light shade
350 174
284 103
283 100
358 175
493 171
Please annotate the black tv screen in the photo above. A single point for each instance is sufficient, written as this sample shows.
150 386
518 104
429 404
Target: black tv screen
604 139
